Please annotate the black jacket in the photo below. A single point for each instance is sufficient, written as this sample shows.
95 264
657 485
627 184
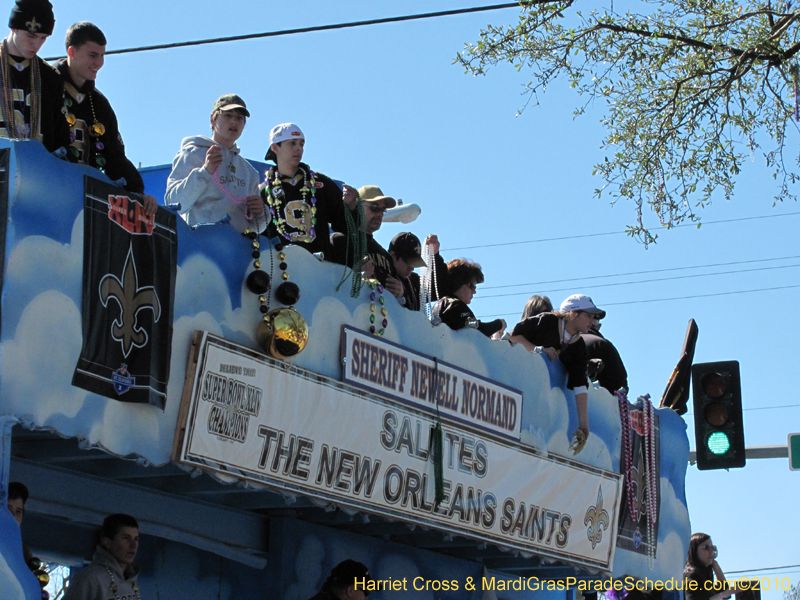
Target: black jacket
53 129
342 252
412 285
544 330
457 315
330 211
80 102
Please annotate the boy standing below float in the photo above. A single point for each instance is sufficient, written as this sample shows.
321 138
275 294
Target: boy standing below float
31 90
95 136
303 203
113 572
210 180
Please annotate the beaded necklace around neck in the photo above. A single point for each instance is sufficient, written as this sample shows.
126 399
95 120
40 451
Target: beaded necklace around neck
95 131
26 130
276 197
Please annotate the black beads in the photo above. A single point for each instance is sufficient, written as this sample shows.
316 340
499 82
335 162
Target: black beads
258 282
288 293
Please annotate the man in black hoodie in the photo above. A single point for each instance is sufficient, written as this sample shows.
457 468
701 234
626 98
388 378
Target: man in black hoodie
94 133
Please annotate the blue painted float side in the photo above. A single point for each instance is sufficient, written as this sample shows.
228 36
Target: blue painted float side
40 342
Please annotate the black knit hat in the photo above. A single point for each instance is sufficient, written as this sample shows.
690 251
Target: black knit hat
33 16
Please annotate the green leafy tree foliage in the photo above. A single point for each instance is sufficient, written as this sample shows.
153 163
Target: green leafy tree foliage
693 88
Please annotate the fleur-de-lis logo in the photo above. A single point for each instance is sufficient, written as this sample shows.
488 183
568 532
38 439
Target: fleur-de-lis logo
597 520
131 299
33 26
637 477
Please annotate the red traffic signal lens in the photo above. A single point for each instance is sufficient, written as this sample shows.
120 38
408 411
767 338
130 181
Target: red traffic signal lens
714 385
716 414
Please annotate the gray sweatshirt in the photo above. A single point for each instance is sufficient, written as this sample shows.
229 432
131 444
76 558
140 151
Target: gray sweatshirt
94 582
201 199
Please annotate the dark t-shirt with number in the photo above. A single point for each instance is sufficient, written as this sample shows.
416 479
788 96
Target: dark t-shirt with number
295 208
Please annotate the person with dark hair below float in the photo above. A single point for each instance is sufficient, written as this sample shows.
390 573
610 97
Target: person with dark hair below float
210 180
378 263
112 572
347 581
304 205
96 140
701 568
406 253
558 335
31 89
463 278
17 497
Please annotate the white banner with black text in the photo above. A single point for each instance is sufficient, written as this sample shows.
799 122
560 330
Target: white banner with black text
273 423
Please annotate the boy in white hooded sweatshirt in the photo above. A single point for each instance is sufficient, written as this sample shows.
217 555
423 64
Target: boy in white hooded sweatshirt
210 180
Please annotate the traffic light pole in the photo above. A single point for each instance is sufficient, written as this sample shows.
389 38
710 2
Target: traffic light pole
754 452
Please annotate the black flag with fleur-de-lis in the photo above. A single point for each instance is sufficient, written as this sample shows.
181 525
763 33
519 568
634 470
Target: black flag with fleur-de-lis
129 266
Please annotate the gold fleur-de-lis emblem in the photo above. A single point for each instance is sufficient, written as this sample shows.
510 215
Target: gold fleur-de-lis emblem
131 299
597 520
33 26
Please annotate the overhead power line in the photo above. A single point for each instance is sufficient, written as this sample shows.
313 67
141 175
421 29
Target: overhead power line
770 289
620 283
764 569
251 36
588 235
763 408
582 279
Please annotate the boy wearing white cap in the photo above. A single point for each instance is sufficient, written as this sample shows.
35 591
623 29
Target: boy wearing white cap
303 205
210 180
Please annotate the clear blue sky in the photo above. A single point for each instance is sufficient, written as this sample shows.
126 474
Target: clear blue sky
384 105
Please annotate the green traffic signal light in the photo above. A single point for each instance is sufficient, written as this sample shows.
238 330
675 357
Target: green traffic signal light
718 443
718 424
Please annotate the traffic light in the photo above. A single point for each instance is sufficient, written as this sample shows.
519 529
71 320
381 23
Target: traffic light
718 425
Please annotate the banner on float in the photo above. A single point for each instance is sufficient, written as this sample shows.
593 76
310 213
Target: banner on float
129 268
247 415
392 370
640 464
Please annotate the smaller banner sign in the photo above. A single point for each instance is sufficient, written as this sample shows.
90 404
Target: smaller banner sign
129 264
640 464
392 370
247 415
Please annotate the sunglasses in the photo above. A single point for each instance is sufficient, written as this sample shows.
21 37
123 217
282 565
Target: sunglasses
376 209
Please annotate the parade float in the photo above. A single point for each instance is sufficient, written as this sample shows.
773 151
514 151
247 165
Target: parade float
261 436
